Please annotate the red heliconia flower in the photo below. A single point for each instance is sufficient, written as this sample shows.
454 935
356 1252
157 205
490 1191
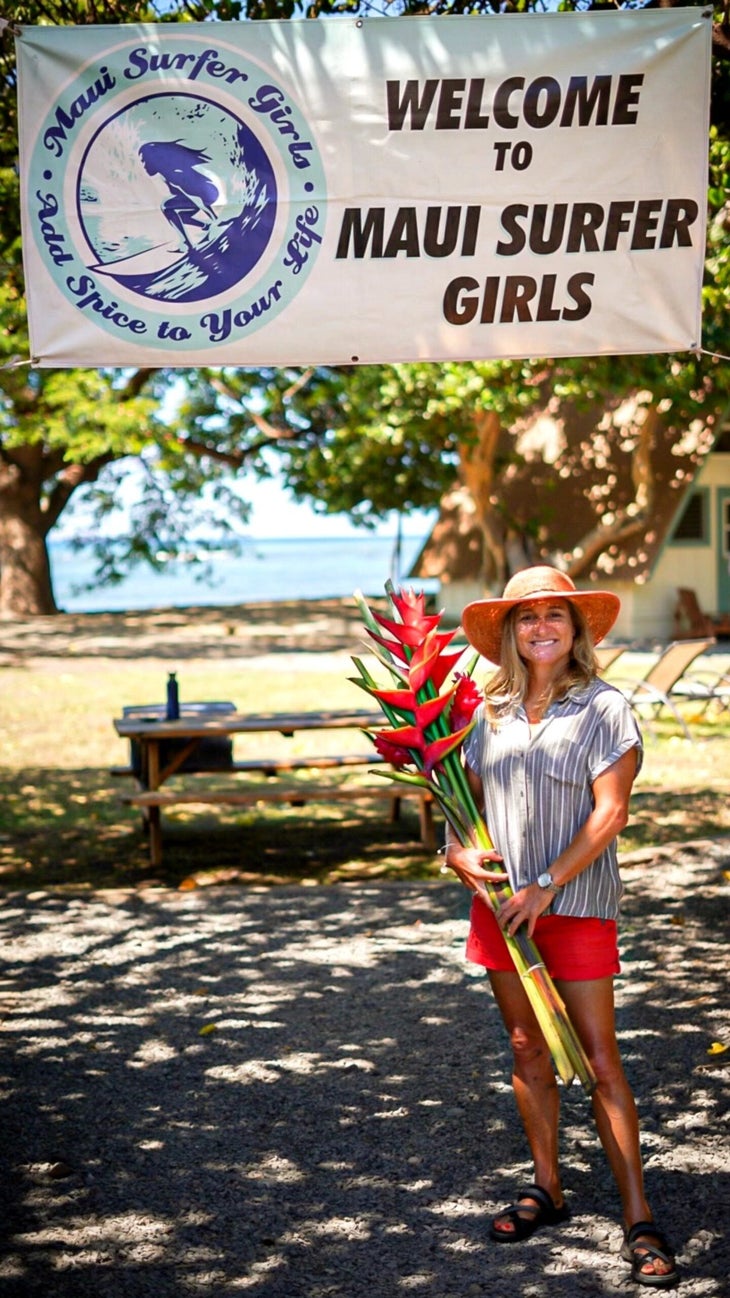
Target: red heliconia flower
430 710
399 700
396 754
434 754
404 736
411 634
467 697
411 606
393 646
442 666
430 663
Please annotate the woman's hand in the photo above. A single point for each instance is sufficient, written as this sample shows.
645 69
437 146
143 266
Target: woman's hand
611 791
468 863
524 907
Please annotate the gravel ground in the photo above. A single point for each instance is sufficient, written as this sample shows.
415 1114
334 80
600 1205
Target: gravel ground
304 1093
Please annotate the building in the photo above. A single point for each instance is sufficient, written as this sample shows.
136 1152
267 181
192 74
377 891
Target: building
642 510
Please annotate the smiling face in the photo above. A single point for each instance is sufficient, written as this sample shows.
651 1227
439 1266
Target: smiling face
544 633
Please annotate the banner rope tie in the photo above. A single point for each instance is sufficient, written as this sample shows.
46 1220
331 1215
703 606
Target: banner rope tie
16 361
716 356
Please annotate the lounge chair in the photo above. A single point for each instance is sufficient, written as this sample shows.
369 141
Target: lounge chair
656 689
690 621
706 687
607 654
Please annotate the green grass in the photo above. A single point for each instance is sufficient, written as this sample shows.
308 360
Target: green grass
62 823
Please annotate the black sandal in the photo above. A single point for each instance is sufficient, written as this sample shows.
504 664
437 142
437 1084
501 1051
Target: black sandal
542 1213
643 1243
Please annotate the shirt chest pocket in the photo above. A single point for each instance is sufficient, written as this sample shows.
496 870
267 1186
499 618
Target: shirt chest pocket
565 769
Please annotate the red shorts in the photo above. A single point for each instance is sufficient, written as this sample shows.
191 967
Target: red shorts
573 949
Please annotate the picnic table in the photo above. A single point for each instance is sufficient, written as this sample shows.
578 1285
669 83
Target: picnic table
199 742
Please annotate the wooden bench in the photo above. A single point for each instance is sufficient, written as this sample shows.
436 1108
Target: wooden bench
296 795
272 766
162 748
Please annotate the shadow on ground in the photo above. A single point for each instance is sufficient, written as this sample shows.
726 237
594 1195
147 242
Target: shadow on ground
69 828
226 631
303 1093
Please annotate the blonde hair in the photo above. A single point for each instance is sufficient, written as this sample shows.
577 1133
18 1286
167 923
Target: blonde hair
508 686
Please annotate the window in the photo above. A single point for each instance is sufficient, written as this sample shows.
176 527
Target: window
693 521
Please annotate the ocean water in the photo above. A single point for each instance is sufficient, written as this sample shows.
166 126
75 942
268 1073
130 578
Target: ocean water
294 568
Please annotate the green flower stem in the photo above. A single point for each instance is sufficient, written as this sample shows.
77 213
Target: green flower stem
365 614
561 1039
450 786
451 809
560 1036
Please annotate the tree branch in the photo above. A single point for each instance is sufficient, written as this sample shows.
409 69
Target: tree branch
477 474
236 458
134 384
631 521
73 476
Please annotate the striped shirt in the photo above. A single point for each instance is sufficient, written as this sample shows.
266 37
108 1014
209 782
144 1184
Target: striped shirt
537 788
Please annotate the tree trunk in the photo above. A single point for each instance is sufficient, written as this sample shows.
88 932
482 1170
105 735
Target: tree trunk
25 571
636 517
477 475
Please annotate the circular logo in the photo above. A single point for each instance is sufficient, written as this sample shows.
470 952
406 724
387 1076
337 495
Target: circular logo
177 194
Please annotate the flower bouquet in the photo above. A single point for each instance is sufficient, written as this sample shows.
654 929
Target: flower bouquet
427 727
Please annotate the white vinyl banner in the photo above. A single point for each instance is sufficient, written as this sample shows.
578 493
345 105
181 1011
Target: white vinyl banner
347 191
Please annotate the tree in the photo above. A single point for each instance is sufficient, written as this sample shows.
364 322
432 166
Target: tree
61 430
362 440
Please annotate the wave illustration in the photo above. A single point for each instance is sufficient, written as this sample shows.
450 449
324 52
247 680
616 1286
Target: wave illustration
228 251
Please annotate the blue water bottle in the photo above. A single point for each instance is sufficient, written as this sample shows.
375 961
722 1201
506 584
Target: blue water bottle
173 698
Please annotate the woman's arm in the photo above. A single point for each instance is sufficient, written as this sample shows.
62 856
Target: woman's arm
611 793
468 862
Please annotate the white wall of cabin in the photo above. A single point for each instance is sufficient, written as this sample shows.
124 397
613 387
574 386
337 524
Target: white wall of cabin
648 609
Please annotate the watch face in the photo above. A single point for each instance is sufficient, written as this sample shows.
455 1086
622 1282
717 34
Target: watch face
544 880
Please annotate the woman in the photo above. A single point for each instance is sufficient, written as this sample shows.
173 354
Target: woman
551 760
192 194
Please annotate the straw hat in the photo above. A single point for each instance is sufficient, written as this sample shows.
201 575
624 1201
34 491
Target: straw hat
483 621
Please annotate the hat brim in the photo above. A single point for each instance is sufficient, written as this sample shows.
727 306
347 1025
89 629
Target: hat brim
483 620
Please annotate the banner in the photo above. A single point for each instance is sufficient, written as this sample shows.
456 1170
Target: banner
347 191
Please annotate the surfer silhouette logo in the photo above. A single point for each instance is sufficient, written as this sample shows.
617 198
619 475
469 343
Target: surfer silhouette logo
181 204
192 193
212 183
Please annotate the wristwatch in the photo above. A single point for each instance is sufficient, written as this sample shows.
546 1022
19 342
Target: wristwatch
545 880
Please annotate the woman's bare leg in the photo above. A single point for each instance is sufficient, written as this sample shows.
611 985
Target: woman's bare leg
590 1006
533 1080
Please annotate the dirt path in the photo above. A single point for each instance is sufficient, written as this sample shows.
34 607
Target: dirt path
303 1093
